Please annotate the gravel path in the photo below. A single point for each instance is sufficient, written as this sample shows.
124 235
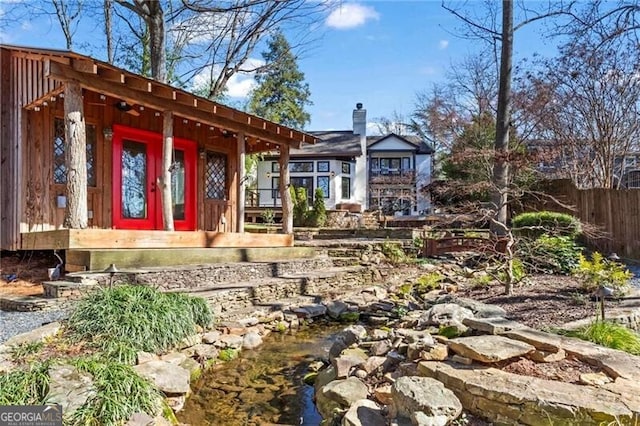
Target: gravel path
12 323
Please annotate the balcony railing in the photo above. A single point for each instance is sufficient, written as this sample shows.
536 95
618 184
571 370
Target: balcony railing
261 197
398 176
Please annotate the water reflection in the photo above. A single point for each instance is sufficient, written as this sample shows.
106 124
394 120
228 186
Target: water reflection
262 387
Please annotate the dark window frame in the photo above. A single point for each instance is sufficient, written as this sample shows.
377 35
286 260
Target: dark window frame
292 164
59 169
342 187
323 167
214 193
346 166
275 167
328 179
275 187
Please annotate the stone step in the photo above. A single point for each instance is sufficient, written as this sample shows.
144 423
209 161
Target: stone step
29 303
169 278
346 260
270 293
66 289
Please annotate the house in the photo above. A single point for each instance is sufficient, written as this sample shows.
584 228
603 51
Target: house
355 172
627 170
128 120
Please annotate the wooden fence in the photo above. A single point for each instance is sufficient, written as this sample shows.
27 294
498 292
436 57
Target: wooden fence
615 212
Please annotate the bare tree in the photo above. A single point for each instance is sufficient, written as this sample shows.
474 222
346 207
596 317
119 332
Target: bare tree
219 37
588 97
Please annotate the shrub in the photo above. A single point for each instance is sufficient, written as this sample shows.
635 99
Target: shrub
319 212
120 392
429 282
518 271
609 334
268 217
535 224
300 205
25 387
126 319
548 254
599 271
394 252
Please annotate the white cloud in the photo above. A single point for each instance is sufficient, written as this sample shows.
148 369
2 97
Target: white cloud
351 15
443 44
240 85
373 128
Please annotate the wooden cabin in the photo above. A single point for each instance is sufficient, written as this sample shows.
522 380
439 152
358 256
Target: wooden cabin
126 120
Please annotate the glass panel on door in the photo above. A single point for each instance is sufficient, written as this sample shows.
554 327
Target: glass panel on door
178 185
134 180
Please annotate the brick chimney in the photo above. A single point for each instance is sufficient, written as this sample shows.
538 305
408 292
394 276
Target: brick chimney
359 120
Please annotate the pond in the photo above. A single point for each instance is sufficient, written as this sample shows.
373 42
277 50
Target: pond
263 386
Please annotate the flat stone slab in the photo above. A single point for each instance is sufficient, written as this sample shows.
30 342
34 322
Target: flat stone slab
614 362
35 335
493 325
169 378
513 399
69 387
489 348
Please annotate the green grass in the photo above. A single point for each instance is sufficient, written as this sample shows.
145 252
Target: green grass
25 387
123 320
26 351
120 392
609 334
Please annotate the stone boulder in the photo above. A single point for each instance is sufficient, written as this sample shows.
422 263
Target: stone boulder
489 348
232 341
340 395
169 378
348 359
446 315
35 335
364 413
335 308
412 394
251 340
479 309
69 387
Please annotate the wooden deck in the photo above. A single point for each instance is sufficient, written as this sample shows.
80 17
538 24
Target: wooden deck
65 239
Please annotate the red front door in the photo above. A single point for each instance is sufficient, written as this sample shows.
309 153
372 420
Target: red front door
137 160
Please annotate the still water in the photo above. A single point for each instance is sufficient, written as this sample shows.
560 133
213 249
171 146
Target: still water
263 386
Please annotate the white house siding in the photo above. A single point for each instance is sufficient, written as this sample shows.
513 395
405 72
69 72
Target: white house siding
266 187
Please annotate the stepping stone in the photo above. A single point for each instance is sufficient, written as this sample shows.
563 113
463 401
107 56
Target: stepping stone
489 349
494 325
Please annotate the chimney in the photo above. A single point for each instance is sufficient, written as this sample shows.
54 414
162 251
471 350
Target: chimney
359 120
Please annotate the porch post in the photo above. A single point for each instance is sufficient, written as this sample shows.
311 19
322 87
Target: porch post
240 182
75 156
164 181
285 194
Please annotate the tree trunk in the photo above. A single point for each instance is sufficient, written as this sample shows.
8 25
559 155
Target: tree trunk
241 182
500 196
108 29
285 195
165 177
75 157
156 41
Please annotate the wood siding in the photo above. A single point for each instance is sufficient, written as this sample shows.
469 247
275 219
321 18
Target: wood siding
40 212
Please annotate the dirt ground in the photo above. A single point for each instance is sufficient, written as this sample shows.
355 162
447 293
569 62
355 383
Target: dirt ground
23 273
541 301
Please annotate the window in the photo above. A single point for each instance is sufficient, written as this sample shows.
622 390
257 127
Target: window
346 187
216 176
59 165
301 166
323 166
323 183
275 187
346 168
275 167
406 163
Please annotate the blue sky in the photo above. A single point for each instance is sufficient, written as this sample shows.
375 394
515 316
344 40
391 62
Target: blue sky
380 53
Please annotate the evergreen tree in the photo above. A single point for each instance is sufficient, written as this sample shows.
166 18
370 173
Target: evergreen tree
281 94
